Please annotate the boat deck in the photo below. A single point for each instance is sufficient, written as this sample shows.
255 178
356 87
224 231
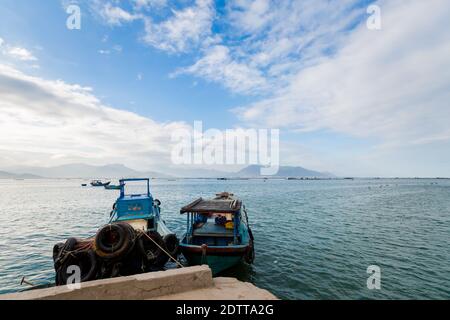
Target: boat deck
210 229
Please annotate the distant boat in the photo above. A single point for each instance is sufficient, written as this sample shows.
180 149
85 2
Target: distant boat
112 187
84 185
99 183
218 233
222 179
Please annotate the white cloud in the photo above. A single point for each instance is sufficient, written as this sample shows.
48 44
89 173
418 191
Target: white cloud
15 52
116 16
390 84
19 53
53 122
269 39
115 48
147 4
105 52
178 31
185 29
217 65
252 15
274 40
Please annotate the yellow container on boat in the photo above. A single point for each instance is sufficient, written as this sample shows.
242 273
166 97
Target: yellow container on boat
229 225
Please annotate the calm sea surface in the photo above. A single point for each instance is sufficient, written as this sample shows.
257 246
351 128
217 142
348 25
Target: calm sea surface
314 239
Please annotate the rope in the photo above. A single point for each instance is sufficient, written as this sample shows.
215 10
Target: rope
168 254
204 258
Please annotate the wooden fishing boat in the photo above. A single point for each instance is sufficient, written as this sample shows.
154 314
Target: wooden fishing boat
141 211
135 240
99 183
218 233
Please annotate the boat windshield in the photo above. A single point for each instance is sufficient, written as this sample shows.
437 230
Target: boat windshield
135 188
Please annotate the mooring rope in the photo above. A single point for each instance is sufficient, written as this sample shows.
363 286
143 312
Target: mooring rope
204 257
168 254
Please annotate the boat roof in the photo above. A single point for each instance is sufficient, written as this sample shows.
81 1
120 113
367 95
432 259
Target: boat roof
213 206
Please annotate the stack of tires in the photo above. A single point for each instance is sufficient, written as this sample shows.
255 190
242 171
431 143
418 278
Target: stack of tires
116 250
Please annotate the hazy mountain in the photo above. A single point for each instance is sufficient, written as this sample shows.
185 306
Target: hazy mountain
284 171
88 171
120 171
199 173
8 175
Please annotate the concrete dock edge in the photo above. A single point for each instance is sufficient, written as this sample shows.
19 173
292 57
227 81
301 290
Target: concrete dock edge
192 283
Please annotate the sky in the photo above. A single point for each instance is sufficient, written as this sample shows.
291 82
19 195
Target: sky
347 99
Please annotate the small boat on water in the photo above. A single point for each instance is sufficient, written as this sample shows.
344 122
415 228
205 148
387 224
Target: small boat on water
99 183
218 233
112 187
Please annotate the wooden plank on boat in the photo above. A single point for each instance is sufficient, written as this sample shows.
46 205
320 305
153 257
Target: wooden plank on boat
190 205
213 206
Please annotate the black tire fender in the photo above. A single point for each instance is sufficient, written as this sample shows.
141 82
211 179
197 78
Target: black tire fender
57 250
85 260
61 254
153 253
172 244
114 241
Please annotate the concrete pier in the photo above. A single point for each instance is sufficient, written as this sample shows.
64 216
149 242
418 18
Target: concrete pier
193 283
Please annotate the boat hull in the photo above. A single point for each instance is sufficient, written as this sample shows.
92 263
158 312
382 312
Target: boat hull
217 258
100 184
110 187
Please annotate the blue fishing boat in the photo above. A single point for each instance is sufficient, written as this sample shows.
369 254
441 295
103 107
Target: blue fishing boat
112 187
135 240
218 233
142 212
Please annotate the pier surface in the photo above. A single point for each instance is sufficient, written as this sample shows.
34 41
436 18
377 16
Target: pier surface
193 283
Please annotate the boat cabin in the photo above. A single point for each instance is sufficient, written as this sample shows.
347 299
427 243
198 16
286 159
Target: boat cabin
136 205
213 222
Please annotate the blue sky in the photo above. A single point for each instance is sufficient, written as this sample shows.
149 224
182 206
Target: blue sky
74 56
347 99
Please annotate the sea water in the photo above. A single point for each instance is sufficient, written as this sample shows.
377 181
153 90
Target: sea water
313 239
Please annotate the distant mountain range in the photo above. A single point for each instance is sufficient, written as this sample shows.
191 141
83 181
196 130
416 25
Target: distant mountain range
284 172
84 171
198 173
120 171
8 175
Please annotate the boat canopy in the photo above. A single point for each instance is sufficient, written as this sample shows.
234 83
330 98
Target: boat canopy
202 206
